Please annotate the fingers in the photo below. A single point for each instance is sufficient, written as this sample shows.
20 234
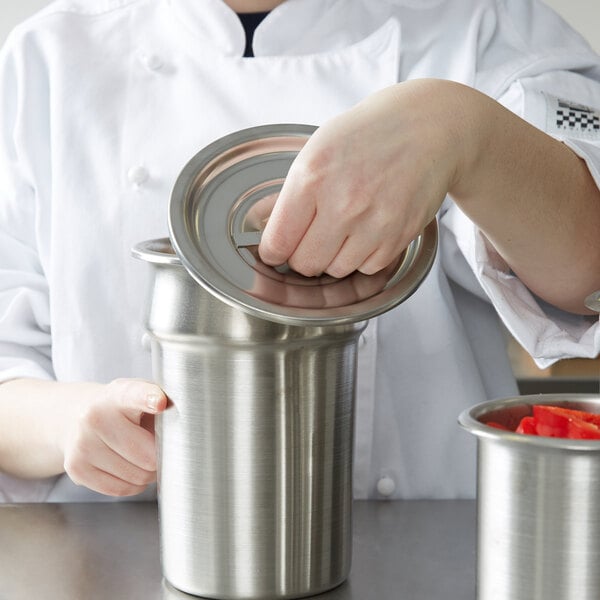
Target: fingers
317 250
98 467
385 255
291 218
344 236
111 450
306 236
325 221
107 484
364 185
129 441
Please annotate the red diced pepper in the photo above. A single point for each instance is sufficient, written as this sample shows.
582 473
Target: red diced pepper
582 430
527 425
578 414
555 421
551 421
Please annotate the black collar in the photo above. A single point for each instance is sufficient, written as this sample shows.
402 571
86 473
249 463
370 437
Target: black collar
250 22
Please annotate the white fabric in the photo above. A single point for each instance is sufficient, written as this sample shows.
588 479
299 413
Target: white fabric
92 92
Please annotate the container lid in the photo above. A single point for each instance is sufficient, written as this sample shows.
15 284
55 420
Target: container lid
218 208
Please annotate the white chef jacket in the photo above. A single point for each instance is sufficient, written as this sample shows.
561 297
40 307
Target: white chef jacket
103 102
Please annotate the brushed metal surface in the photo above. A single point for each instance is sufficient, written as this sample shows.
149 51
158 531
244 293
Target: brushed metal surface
255 451
403 550
538 506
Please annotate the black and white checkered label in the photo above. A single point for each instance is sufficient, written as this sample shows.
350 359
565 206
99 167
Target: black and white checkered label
569 119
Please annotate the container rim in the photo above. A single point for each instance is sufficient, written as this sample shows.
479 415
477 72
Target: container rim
157 251
470 419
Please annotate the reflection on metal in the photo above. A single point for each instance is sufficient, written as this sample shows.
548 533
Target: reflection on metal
593 301
219 206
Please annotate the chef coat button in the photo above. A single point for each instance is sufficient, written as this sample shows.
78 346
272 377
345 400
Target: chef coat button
152 62
386 486
138 175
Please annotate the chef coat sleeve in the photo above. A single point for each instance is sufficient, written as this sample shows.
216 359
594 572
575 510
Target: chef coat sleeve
25 340
551 78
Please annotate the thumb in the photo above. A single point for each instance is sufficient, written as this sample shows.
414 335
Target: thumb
156 402
136 397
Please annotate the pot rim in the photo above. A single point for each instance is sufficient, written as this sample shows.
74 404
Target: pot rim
470 419
158 251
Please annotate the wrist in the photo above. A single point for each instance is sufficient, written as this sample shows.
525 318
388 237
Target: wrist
71 400
456 121
477 116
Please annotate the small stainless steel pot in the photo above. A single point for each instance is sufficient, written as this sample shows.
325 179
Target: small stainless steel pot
255 451
538 505
255 455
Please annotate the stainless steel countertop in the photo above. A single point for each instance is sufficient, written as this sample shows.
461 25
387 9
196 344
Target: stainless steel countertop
403 550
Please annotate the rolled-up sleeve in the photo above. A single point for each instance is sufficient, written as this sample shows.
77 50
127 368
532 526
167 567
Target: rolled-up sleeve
551 78
25 336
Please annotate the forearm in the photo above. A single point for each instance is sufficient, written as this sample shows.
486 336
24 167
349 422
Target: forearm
368 181
34 418
535 200
101 435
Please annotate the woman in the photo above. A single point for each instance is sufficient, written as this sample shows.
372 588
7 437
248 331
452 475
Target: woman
101 107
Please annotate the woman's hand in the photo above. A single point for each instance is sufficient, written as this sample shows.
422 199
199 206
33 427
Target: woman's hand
367 182
102 435
109 446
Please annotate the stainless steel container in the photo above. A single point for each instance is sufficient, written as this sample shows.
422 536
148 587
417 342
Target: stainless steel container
538 505
255 451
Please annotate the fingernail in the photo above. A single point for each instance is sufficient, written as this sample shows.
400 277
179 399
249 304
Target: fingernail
152 401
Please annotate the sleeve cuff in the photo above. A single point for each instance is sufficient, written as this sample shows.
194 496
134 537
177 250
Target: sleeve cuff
545 332
14 489
15 368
